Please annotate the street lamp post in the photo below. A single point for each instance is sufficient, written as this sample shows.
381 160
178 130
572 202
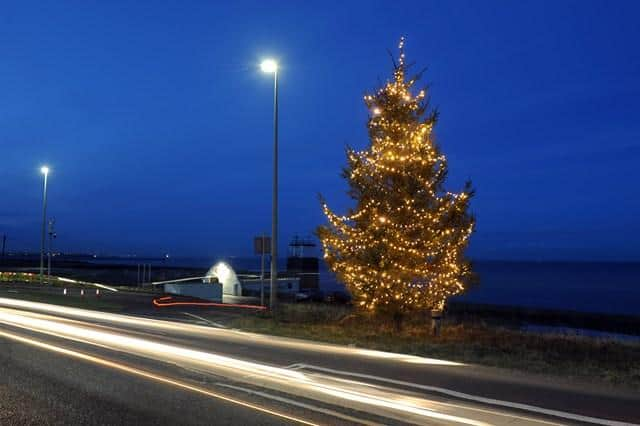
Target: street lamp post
271 66
45 171
52 235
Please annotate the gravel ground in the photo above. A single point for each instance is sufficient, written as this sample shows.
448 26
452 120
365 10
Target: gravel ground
38 387
28 396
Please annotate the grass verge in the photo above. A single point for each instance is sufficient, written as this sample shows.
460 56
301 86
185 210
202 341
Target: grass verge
588 359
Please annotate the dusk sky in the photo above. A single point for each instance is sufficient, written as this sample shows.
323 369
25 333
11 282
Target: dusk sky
157 122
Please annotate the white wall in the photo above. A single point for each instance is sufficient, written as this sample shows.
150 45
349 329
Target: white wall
212 292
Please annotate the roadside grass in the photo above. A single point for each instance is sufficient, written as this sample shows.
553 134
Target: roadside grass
587 359
75 301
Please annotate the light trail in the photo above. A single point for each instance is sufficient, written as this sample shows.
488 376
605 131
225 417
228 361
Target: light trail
458 395
165 301
321 388
349 394
147 375
227 334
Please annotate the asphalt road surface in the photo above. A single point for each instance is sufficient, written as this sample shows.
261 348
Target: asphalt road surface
61 365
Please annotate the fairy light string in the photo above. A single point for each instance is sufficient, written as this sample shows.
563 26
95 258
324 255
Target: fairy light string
402 246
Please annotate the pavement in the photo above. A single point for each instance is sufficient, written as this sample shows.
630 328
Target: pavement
62 365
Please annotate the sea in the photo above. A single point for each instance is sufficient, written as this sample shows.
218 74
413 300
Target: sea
600 287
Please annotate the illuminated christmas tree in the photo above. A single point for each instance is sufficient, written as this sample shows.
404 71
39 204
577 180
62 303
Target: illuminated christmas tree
402 247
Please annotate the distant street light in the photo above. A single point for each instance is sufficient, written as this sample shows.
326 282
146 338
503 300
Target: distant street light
45 171
271 66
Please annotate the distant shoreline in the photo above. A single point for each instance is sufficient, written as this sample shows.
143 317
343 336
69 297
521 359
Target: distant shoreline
610 289
11 259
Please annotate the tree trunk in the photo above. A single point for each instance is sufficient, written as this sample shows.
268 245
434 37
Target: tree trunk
397 321
436 320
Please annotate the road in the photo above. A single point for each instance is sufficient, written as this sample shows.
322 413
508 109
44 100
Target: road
66 365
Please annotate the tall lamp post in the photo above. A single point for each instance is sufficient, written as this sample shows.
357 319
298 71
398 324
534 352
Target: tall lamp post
45 171
271 66
52 235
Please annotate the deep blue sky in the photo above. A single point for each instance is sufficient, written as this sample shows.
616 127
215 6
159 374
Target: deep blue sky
157 123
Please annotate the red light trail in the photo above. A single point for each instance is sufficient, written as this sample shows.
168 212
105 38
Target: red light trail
167 301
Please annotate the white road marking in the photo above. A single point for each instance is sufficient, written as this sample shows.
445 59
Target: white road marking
215 324
301 404
481 399
294 366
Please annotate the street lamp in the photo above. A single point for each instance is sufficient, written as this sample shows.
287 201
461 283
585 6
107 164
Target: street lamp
271 66
52 235
45 172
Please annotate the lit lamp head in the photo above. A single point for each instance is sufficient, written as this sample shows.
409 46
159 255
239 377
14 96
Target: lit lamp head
44 170
269 66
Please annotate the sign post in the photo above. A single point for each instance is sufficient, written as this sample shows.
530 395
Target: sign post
262 246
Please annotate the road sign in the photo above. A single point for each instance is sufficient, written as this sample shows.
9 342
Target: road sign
262 245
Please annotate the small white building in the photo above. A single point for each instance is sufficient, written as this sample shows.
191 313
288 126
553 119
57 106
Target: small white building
233 286
211 291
